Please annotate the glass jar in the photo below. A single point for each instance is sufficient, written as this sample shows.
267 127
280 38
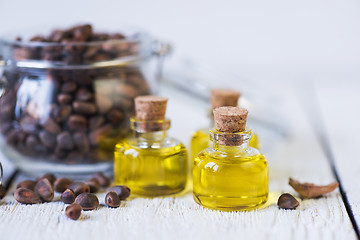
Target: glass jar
63 106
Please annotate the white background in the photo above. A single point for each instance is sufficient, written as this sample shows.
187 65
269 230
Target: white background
260 40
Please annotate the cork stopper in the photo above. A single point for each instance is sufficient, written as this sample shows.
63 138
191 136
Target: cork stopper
150 108
230 120
224 97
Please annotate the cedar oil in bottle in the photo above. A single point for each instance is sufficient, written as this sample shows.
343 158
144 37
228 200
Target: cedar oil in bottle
230 175
151 163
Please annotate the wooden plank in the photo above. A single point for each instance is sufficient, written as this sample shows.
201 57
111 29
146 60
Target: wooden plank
339 102
179 217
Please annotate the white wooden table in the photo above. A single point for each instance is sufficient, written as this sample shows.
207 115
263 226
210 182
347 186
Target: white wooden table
312 108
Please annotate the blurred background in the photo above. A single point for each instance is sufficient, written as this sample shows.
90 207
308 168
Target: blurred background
262 41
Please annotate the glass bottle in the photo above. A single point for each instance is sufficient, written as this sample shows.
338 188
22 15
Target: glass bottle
230 175
150 162
200 140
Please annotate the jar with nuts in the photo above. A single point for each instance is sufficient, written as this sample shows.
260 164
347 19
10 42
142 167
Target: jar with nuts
66 98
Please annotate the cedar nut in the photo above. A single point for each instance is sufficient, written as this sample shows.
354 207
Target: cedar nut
73 211
88 201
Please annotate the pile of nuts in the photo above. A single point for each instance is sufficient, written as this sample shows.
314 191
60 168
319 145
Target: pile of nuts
67 46
80 195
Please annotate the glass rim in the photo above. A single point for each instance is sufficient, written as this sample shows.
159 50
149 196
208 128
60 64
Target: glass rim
144 126
246 132
15 43
131 35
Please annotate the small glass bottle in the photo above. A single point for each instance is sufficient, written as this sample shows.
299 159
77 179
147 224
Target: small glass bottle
150 163
219 98
230 175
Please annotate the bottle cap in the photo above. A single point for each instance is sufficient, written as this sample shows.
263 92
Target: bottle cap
150 108
224 97
230 119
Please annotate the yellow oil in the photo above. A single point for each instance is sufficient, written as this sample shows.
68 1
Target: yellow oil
151 170
230 179
201 140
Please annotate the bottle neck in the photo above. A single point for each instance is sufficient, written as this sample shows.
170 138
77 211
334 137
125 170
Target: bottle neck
151 136
224 148
223 141
150 130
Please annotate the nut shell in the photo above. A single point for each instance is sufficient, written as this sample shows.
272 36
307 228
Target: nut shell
68 196
94 185
48 176
29 184
112 200
103 180
73 211
88 201
45 190
310 190
287 201
121 190
79 187
2 191
61 184
26 196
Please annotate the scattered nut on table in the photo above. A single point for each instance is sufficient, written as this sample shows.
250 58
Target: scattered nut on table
287 201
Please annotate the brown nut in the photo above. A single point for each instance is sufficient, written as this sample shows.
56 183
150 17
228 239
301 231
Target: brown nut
64 98
122 191
68 196
68 87
77 123
28 184
94 185
65 141
287 201
51 126
73 211
26 196
84 107
79 187
88 201
2 191
45 190
103 180
49 177
61 184
112 200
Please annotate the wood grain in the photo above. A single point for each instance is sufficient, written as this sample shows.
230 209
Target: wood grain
339 102
179 217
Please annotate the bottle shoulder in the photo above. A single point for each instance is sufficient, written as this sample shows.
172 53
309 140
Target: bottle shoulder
231 155
166 144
